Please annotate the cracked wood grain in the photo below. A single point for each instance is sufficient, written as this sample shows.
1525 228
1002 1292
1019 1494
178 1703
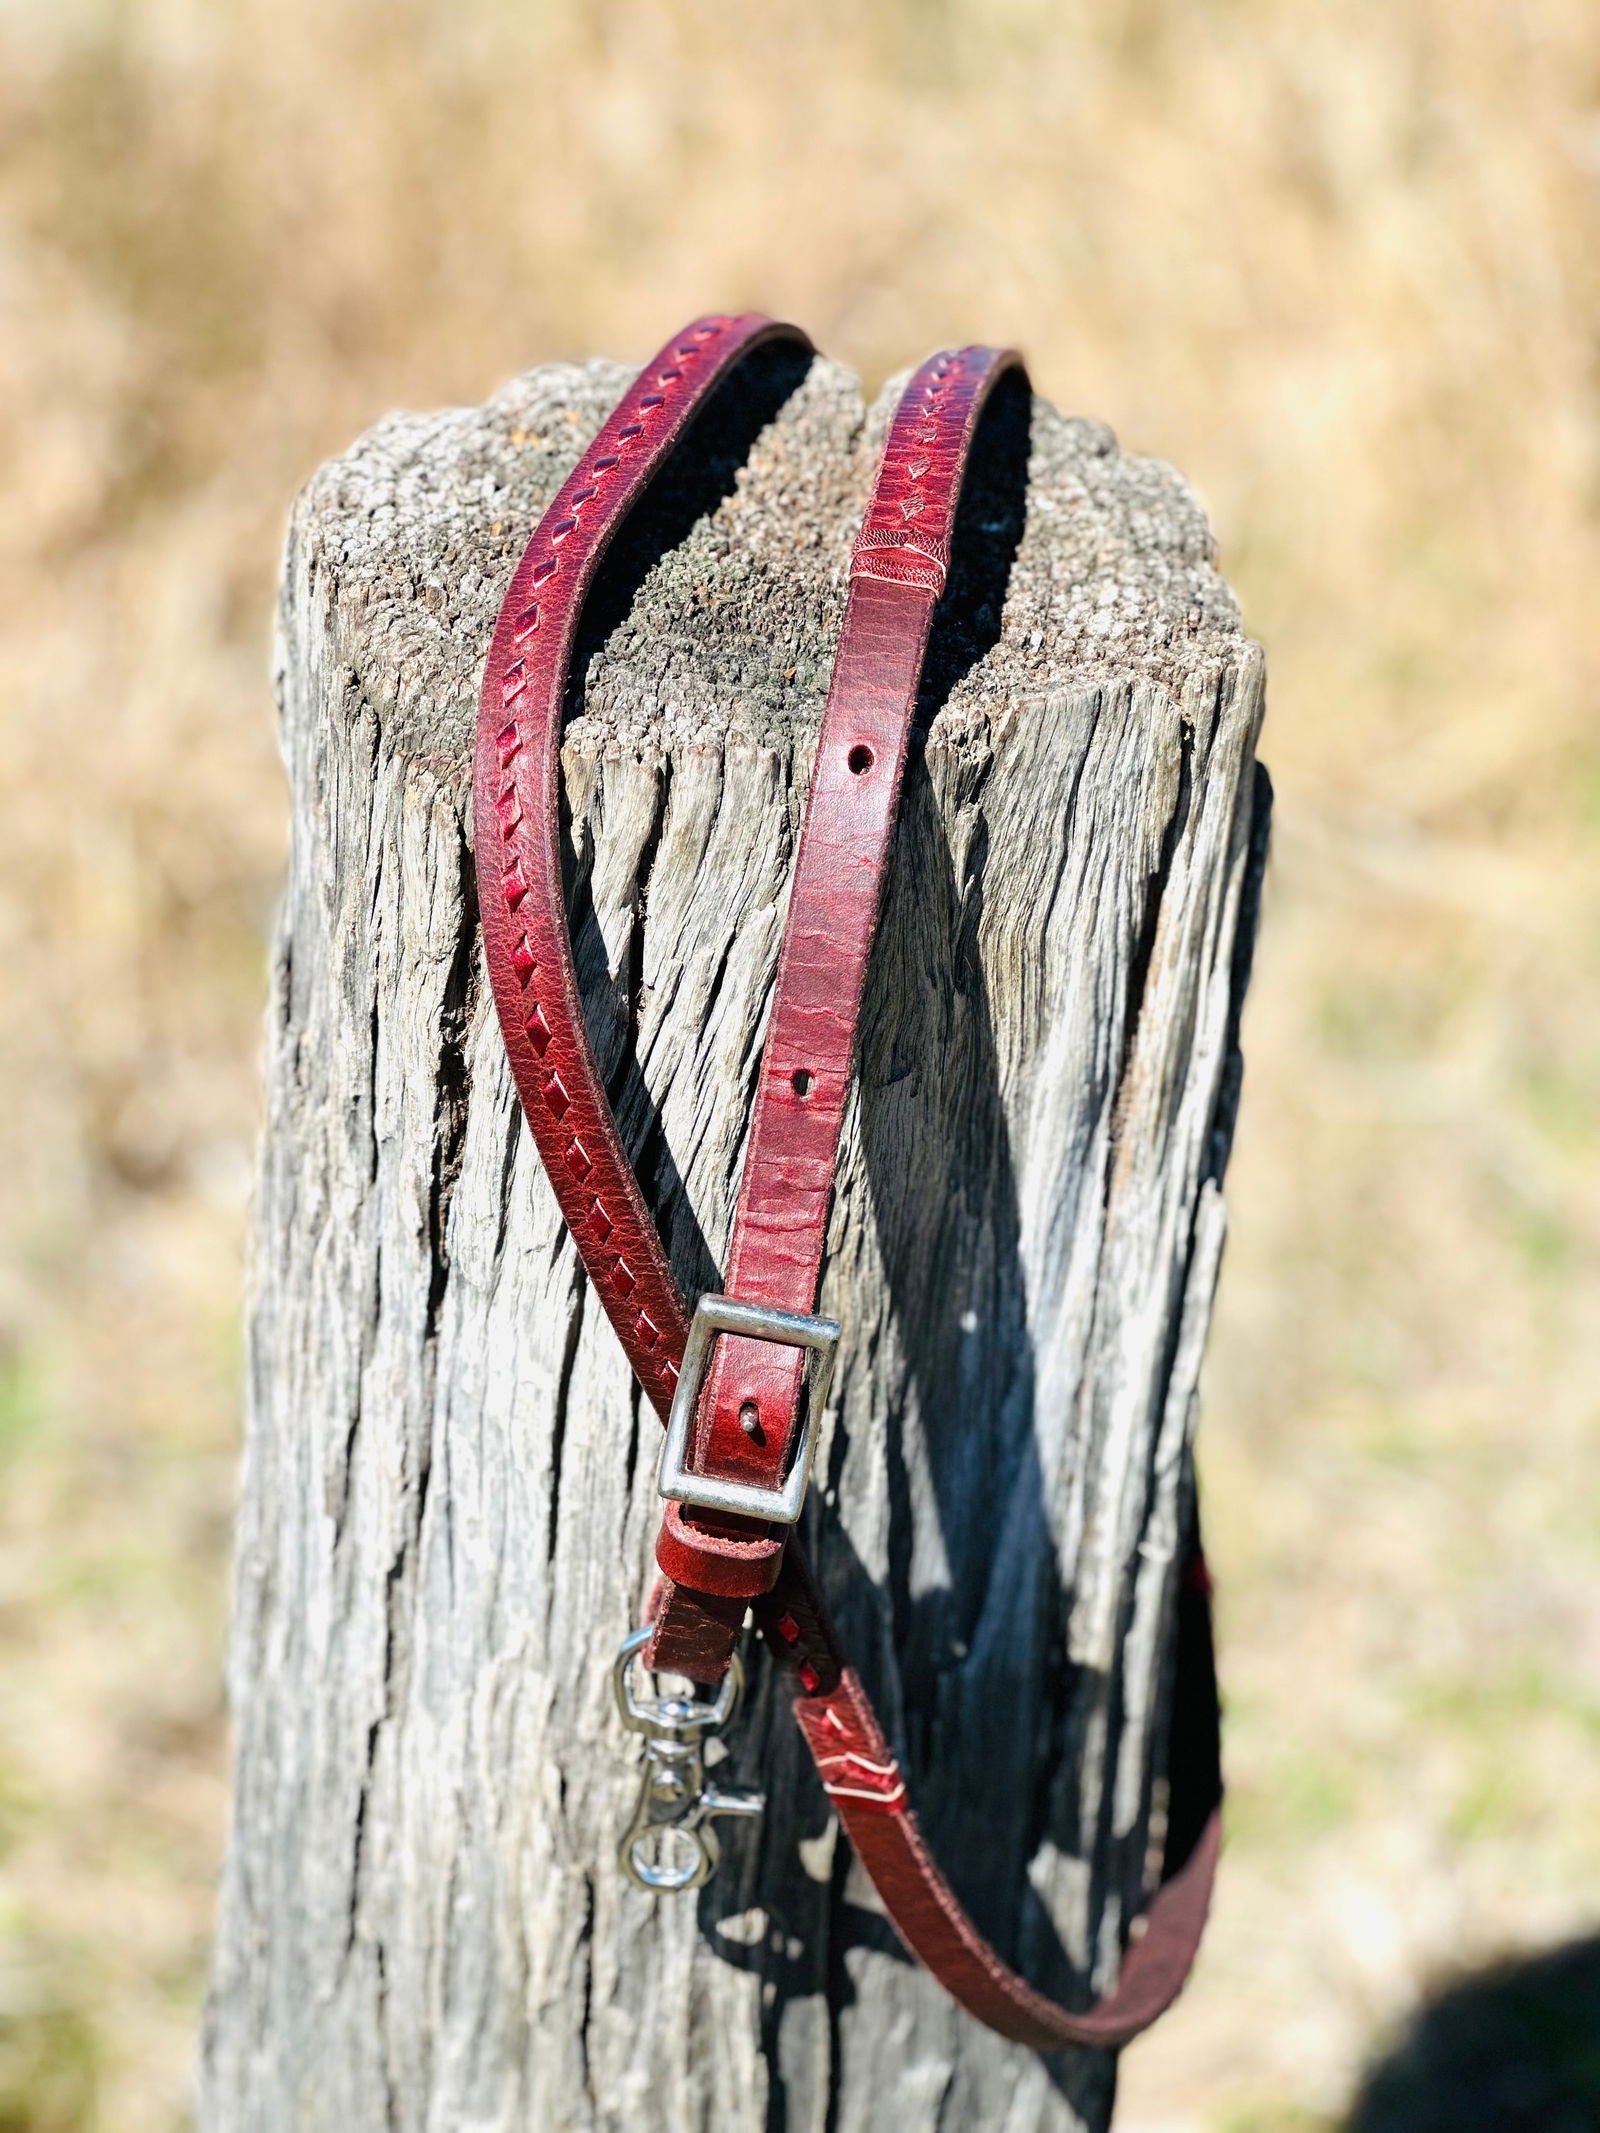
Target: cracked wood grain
448 1500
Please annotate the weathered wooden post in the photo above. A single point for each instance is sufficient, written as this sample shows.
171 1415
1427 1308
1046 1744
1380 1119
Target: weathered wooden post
422 1922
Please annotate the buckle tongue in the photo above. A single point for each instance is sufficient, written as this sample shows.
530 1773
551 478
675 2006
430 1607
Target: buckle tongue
790 1329
676 1800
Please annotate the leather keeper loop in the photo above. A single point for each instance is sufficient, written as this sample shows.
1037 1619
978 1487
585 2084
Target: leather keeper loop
721 1563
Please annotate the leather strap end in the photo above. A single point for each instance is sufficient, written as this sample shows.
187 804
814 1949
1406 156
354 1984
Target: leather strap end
728 1565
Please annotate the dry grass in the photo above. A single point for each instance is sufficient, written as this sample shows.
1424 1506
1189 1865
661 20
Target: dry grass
1338 264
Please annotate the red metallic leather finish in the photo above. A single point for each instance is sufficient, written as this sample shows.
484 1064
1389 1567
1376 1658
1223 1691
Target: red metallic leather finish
750 1409
864 1781
516 808
716 1567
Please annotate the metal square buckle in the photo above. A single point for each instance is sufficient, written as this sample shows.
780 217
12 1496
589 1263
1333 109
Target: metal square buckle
791 1329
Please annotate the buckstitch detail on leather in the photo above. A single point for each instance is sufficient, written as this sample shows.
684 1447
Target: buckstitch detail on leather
742 1441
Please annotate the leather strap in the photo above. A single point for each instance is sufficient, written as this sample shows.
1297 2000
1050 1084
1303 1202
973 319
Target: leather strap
516 807
750 1410
715 1568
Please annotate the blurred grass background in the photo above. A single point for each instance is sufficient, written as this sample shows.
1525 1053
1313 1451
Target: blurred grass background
1342 266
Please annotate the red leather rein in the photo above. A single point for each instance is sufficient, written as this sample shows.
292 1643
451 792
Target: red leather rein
743 1417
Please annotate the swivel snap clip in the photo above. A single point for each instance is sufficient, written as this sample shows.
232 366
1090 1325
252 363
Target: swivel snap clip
670 1844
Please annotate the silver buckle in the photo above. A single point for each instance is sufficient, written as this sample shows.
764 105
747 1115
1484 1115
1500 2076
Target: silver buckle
676 1801
791 1329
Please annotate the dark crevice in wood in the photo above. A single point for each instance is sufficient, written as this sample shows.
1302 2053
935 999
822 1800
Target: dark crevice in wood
358 1835
1155 888
633 995
1244 948
636 1405
579 1296
391 2102
453 1082
583 1956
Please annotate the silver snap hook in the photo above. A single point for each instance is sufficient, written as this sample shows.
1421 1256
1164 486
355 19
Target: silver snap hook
670 1845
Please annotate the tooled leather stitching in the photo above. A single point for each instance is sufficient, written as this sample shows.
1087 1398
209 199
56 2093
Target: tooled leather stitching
889 1793
906 554
592 470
